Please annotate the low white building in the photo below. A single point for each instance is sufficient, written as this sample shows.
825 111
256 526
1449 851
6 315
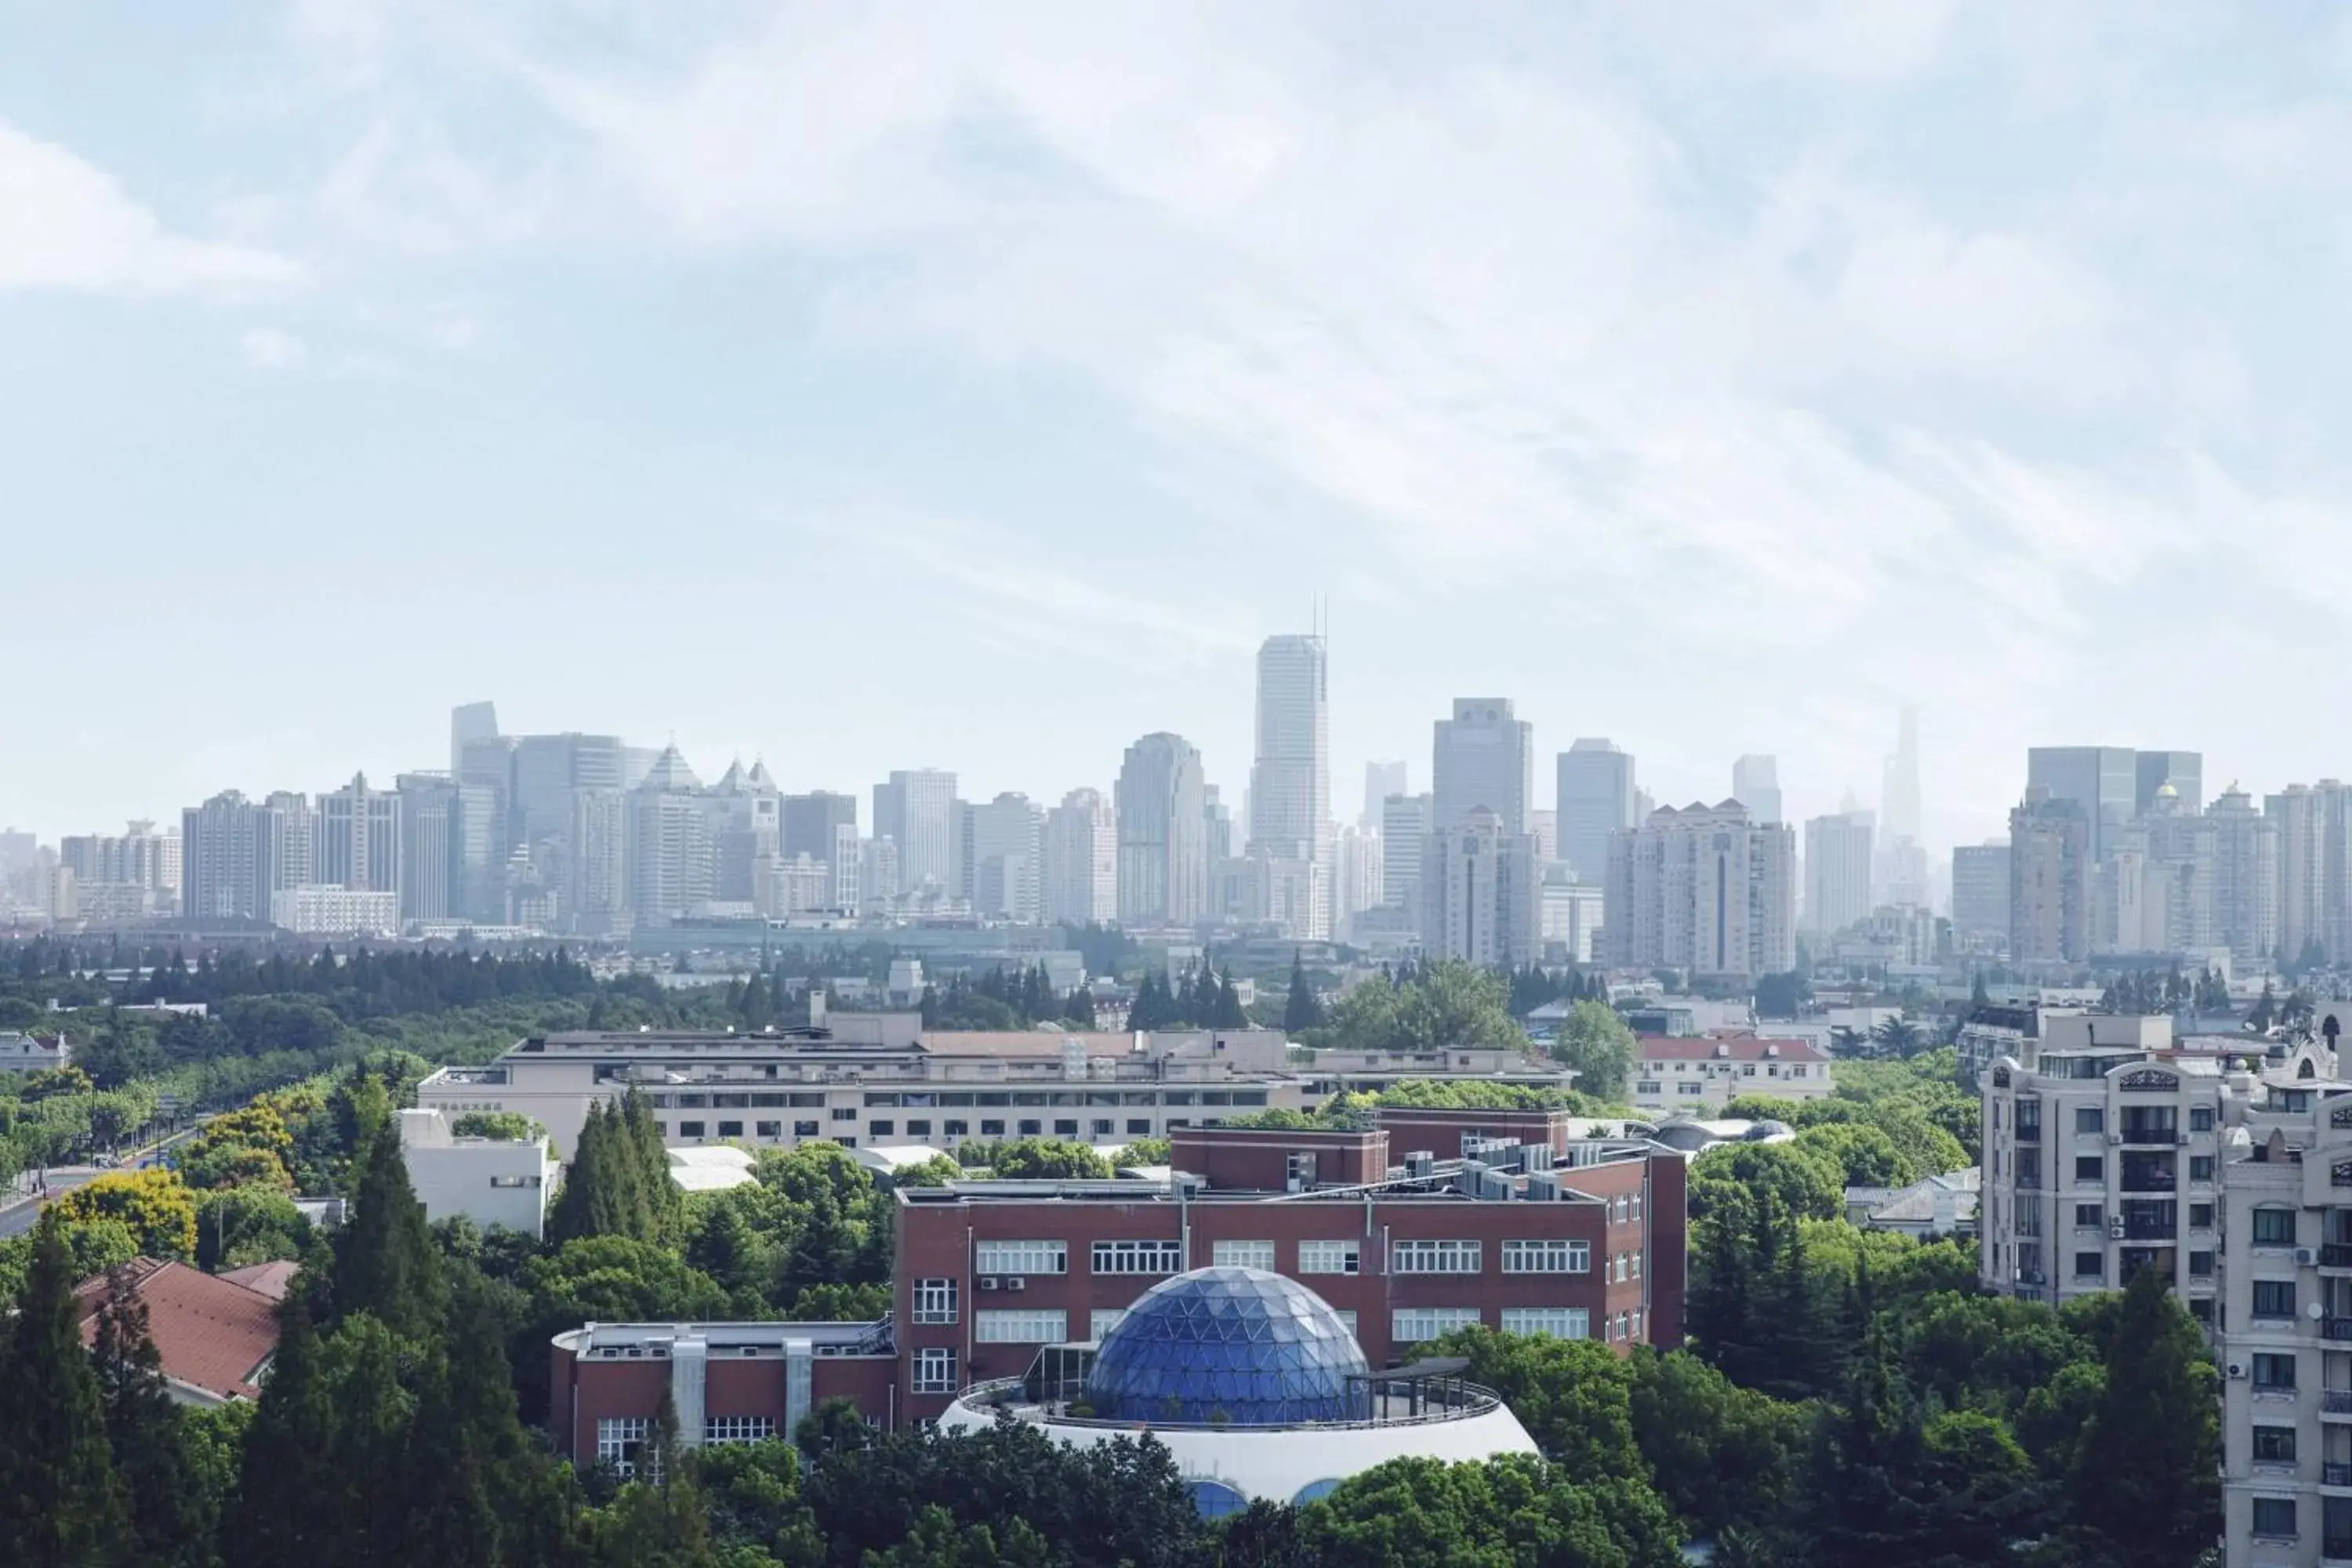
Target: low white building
318 910
33 1053
1698 1076
491 1181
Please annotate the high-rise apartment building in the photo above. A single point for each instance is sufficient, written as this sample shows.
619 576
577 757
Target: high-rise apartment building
2183 771
359 839
226 859
1290 780
1705 890
1481 894
1381 780
1980 895
289 847
672 862
1007 854
1545 825
1081 860
1362 864
432 831
1484 758
1596 802
916 809
2103 782
1756 784
1405 825
746 811
2245 878
810 821
1838 867
140 869
1163 850
2050 879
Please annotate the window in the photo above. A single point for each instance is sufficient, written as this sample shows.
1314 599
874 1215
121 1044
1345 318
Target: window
1137 1256
2090 1118
730 1130
739 1428
1102 1126
1139 1126
1647 1086
1030 1326
2090 1265
2274 1298
1621 1269
991 1127
2273 1227
1243 1255
935 1300
2091 1216
2200 1216
1624 1208
1346 1321
2201 1167
2090 1167
1693 1090
2273 1370
514 1181
1637 1323
1031 1127
844 1113
1748 1070
935 1370
620 1440
881 1128
1548 1255
1435 1256
955 1127
1624 1327
1065 1127
2201 1266
1413 1325
1103 1320
804 1129
690 1129
1022 1258
2275 1445
918 1129
771 1129
1637 1263
1560 1322
2201 1119
1637 1206
1326 1258
2274 1518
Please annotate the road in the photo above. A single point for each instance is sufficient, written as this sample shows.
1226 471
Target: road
19 1218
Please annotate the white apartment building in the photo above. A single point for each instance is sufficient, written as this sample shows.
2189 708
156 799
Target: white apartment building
1838 864
323 910
1480 893
1081 884
1703 889
1699 1077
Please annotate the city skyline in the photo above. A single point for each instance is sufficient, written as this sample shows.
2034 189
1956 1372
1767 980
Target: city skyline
532 333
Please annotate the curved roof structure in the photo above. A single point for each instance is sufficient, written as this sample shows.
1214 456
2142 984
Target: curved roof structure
1236 1347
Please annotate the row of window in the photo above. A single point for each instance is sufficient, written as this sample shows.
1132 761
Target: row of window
1541 1254
621 1439
2094 1168
1409 1325
1255 1099
950 1127
1746 1069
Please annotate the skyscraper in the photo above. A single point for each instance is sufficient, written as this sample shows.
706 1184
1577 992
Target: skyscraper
810 821
1595 802
1483 757
2184 771
1404 826
1481 894
1980 893
1705 890
1381 780
1900 809
1756 784
2245 878
2103 781
224 859
1837 870
432 883
672 862
1163 859
1081 859
917 810
358 839
1007 854
1290 780
469 724
2050 878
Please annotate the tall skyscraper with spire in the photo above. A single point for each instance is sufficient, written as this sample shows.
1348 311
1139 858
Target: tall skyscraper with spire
1290 780
1899 805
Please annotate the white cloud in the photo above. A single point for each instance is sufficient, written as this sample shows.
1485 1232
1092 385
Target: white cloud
65 223
267 348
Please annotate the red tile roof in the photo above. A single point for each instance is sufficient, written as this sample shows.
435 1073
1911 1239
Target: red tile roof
272 1279
212 1334
1735 1049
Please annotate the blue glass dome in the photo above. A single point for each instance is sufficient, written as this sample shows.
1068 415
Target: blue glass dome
1236 1346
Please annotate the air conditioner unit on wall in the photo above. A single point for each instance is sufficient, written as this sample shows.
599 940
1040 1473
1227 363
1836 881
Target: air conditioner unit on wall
988 1281
1016 1283
2306 1256
2237 1369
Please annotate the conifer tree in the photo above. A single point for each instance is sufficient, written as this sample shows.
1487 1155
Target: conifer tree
663 1205
385 1264
143 1430
2145 1475
1301 1010
61 1504
290 1504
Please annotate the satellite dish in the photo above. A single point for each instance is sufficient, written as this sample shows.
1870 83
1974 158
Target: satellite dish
2314 1310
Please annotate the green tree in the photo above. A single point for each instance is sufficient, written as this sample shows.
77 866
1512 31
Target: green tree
1725 1457
508 1125
1595 1043
1303 1010
385 1264
238 1226
1866 1157
168 1518
156 1204
2147 1473
1048 1159
61 1502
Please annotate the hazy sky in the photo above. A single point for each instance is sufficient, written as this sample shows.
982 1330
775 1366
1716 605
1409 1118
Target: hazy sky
866 386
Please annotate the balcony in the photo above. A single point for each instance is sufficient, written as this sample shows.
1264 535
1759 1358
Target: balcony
2150 1230
2335 1548
2335 1328
2335 1402
2162 1135
2333 1475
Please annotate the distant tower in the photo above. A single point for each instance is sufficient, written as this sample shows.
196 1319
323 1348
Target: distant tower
469 723
1756 784
1900 808
1290 782
1484 759
1163 832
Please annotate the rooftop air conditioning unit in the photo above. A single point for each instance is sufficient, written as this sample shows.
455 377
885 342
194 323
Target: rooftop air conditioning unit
988 1282
2306 1256
1016 1283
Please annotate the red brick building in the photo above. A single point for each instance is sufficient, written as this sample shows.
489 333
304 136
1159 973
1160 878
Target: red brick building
1429 1221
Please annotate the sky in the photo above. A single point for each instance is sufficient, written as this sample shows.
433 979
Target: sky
873 387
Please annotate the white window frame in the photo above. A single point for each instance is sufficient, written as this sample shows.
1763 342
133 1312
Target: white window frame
1621 1269
935 1370
1137 1256
1103 1320
1021 1258
719 1430
1436 1255
1547 1254
1347 1317
1242 1255
1330 1256
1637 1263
620 1439
935 1300
1418 1325
1560 1322
1021 1326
